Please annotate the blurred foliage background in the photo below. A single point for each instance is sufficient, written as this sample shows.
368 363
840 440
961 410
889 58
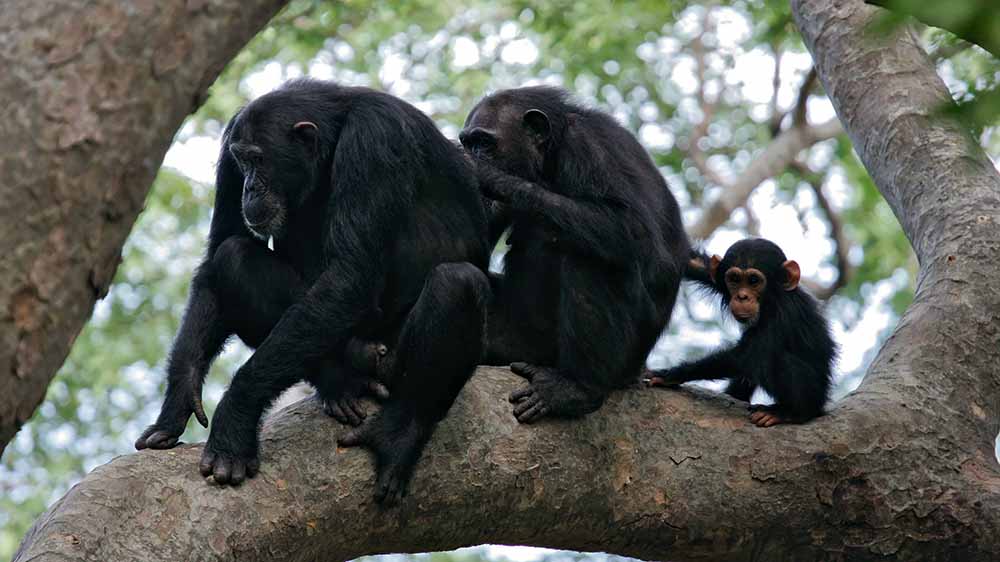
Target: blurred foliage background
706 87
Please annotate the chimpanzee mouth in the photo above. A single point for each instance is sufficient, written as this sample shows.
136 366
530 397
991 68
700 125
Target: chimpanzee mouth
265 227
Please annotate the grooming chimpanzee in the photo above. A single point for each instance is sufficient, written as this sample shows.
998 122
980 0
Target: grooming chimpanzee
379 235
786 347
597 248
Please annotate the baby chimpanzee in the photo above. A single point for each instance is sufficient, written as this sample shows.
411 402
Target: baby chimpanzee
786 347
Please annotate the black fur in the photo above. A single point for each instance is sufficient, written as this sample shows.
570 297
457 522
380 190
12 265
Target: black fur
379 235
597 248
788 351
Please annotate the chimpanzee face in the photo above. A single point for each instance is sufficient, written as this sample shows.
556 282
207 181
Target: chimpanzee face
511 137
751 274
278 163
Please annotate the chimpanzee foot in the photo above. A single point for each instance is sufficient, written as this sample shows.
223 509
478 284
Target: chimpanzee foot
766 418
397 440
549 394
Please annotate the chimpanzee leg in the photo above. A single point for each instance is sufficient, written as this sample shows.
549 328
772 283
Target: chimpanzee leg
741 388
437 351
607 325
516 330
800 392
241 290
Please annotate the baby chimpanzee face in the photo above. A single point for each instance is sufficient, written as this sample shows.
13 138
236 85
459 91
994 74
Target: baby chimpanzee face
749 274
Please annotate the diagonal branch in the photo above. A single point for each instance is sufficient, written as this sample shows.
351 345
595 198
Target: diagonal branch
840 243
777 156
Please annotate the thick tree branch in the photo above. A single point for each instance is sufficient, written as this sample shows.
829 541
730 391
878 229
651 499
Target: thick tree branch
661 475
96 90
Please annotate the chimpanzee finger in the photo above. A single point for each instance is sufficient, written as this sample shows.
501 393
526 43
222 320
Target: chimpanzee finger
521 394
239 472
537 411
354 437
223 470
205 466
333 410
199 408
525 405
354 409
161 440
252 467
522 369
771 420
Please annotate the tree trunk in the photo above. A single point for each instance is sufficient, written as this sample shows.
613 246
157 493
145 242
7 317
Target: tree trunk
902 467
94 92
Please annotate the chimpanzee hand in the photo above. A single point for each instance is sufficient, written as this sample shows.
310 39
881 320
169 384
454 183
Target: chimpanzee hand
670 378
494 183
231 453
181 401
341 387
342 398
550 394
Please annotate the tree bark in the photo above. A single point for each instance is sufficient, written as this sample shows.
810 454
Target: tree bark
94 93
903 467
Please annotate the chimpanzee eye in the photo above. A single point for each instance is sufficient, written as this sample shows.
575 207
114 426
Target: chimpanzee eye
753 279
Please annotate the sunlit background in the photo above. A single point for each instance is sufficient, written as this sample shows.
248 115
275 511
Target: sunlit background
706 88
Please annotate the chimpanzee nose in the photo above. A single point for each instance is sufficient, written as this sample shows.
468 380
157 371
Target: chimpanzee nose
742 297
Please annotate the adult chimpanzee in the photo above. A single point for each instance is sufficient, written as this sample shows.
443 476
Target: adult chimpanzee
379 234
786 347
597 248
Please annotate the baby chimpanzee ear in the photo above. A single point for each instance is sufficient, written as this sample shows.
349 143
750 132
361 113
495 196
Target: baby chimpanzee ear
713 266
536 121
793 273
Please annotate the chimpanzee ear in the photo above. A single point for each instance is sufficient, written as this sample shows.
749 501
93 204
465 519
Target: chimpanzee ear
536 121
306 130
793 274
713 266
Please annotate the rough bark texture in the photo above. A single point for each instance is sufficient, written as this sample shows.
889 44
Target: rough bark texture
902 467
94 92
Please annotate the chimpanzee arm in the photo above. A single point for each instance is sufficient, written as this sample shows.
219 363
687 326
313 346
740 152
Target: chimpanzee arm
607 227
725 364
697 270
373 189
202 332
